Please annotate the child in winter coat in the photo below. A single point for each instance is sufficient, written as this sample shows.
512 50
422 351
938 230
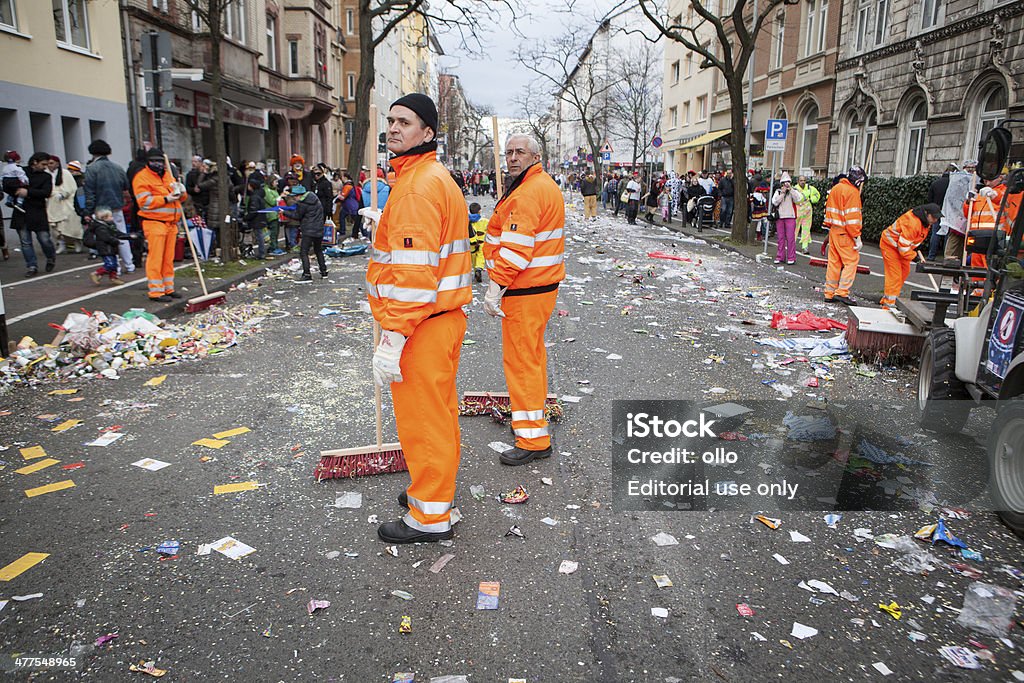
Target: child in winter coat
477 231
13 177
664 202
104 236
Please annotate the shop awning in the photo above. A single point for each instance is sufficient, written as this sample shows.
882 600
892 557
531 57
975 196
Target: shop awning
702 140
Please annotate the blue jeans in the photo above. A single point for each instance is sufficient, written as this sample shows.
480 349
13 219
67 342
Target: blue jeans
604 199
110 264
936 243
260 241
725 214
44 242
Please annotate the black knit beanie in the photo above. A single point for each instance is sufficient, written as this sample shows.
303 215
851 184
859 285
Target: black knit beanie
422 105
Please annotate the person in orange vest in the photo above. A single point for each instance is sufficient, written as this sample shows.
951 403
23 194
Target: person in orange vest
159 198
523 252
985 213
418 279
844 221
899 247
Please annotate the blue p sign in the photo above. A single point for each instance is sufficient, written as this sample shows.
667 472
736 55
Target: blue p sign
776 129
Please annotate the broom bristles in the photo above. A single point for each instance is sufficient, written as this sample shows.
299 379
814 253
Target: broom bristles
360 462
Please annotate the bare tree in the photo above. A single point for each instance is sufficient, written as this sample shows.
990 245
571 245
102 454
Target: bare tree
566 64
378 18
211 14
735 37
534 107
635 102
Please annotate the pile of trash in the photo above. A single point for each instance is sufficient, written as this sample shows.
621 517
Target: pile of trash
100 345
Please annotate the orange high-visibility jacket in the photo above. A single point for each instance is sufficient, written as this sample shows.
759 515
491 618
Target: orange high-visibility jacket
905 234
525 245
150 192
986 210
843 209
420 262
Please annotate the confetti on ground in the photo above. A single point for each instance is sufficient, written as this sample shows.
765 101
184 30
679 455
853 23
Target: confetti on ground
234 488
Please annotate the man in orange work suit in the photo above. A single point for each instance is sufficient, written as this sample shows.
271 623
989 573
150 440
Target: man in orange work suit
159 198
418 279
523 252
899 245
844 221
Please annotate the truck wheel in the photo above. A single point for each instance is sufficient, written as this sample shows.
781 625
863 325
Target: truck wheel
1006 465
942 401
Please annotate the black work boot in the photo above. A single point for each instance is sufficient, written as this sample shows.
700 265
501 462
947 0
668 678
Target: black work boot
400 532
521 456
403 499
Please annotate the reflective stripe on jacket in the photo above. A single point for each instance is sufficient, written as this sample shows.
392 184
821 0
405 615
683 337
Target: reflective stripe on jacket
843 209
905 234
525 244
986 210
420 262
150 192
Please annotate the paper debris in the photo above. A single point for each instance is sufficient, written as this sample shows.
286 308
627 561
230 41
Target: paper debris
349 500
231 432
613 356
22 564
32 452
500 447
232 548
62 392
23 598
66 425
549 521
402 594
441 562
487 595
211 443
822 587
105 439
659 612
313 605
151 464
235 488
663 539
797 537
882 668
744 609
568 567
49 488
960 656
37 465
148 668
802 632
155 381
662 580
780 559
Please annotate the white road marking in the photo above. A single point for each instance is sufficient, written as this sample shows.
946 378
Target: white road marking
37 278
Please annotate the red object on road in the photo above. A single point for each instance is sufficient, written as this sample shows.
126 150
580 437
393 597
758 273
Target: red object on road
179 249
744 610
822 263
804 320
666 255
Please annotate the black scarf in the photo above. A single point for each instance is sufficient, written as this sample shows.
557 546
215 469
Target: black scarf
419 149
517 182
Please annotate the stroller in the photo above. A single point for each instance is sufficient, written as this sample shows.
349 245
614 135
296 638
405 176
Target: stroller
705 212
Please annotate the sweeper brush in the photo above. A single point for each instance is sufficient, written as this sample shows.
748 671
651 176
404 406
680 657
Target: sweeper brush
877 335
360 462
498 406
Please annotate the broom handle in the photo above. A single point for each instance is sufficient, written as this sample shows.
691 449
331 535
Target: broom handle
970 215
188 235
497 157
373 157
377 391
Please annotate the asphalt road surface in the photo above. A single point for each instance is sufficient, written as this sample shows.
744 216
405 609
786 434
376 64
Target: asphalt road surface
681 330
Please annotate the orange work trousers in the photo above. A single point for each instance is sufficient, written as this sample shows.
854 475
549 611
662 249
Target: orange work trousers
427 416
842 264
897 270
161 238
526 365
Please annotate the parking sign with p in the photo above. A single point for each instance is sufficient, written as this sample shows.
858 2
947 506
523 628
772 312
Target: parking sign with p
775 135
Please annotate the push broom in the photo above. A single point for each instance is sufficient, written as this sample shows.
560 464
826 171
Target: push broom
208 298
382 458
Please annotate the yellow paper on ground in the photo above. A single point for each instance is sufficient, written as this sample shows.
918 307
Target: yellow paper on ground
22 564
38 465
49 488
234 488
33 452
232 432
210 443
155 382
63 392
66 425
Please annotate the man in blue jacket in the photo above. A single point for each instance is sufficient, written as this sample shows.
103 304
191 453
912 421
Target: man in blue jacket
106 184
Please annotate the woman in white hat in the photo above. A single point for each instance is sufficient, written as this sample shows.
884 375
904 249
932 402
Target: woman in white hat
785 201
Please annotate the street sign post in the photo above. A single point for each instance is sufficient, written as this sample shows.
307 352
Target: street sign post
774 141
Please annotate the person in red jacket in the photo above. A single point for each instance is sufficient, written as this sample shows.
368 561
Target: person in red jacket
418 279
523 252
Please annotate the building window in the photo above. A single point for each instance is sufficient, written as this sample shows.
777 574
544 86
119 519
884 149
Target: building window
234 20
293 58
930 13
272 42
71 22
350 22
811 29
674 72
989 113
351 86
160 6
702 107
863 18
8 16
822 25
881 21
686 113
808 138
689 64
673 117
860 140
780 37
915 128
320 53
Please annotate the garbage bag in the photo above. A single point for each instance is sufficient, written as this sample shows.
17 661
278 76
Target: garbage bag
988 609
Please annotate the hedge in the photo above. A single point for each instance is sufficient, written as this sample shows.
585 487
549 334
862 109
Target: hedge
885 200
